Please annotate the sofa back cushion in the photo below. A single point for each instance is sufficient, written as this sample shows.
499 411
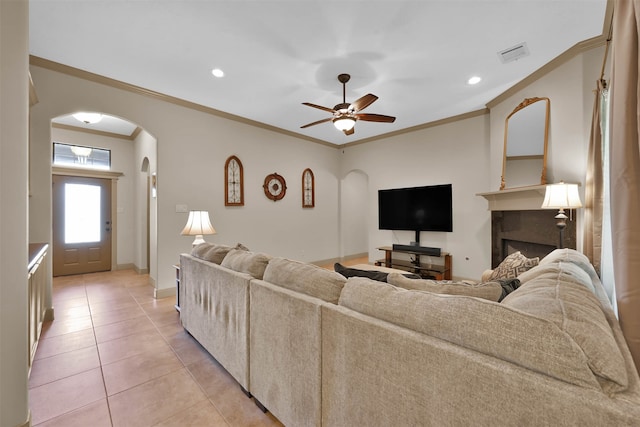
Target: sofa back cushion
563 299
212 252
305 278
488 290
484 326
246 262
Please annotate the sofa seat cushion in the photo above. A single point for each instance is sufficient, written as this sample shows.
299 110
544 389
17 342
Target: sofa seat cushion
246 262
492 291
562 298
306 278
212 252
481 325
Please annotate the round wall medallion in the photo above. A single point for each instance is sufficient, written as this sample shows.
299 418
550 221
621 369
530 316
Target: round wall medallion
274 186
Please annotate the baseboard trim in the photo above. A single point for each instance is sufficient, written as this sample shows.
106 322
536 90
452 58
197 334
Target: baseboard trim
341 259
26 423
129 266
49 315
140 270
164 293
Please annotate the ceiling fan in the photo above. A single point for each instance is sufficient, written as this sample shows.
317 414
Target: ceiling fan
345 115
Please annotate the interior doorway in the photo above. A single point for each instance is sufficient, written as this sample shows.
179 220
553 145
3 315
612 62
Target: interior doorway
82 225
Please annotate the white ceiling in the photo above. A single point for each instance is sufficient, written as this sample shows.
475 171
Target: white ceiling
416 56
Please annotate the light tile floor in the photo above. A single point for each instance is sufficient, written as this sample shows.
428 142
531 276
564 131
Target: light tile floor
115 356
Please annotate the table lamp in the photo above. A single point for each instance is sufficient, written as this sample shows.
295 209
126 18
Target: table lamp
198 225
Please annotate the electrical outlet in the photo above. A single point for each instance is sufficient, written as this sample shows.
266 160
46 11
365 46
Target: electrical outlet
182 208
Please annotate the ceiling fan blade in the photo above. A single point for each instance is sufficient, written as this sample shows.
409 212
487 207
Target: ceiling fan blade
320 107
375 118
363 102
350 131
317 123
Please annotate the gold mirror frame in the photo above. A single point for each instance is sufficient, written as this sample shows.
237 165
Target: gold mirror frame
526 155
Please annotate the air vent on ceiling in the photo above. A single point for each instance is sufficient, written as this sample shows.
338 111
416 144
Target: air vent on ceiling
514 53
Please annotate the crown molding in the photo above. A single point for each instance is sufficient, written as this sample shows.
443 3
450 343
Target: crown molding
33 96
435 123
96 78
536 75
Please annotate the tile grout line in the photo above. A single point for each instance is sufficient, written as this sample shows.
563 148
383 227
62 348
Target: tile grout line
93 328
77 373
184 365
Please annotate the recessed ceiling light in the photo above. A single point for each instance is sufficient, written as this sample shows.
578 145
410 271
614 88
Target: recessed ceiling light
474 80
217 72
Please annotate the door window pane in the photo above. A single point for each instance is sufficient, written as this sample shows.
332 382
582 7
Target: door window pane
81 213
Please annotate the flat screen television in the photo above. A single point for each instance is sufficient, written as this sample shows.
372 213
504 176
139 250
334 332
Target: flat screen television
416 209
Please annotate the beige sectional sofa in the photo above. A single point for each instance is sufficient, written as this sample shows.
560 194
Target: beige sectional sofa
316 348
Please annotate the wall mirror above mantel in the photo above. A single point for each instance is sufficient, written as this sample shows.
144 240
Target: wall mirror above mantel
526 136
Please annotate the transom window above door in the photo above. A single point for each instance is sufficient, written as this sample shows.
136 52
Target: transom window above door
81 156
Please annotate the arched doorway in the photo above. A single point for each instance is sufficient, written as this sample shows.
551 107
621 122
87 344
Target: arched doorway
132 161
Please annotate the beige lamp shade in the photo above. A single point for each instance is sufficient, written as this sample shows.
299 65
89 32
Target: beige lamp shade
198 225
561 196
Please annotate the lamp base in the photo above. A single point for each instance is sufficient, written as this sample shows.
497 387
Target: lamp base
561 224
199 239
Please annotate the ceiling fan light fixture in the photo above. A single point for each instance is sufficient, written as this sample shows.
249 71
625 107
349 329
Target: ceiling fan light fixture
344 123
88 118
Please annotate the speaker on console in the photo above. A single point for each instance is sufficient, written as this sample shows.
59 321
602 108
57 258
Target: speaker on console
419 249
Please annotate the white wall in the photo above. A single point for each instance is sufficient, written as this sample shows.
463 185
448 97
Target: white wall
354 226
14 119
454 153
122 160
192 147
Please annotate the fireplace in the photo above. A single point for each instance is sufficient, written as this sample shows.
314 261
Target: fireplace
518 224
532 232
528 248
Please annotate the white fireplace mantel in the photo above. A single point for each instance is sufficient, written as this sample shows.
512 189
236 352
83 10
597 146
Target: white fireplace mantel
516 199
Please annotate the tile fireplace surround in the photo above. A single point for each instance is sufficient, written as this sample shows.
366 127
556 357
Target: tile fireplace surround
518 224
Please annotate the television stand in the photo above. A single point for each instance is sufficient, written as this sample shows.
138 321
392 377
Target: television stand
425 270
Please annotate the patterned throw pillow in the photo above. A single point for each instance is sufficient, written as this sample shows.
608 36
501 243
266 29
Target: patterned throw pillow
513 265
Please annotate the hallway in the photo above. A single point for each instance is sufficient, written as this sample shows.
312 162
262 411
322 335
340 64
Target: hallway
115 356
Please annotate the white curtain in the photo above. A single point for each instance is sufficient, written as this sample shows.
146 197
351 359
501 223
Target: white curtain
606 261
